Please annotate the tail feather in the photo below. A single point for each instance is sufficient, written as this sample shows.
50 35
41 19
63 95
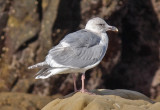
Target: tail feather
41 64
47 72
43 72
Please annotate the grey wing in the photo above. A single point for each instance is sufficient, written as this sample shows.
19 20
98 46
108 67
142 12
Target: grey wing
84 50
79 57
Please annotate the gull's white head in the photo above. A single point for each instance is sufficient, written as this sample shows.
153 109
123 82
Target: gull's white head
98 25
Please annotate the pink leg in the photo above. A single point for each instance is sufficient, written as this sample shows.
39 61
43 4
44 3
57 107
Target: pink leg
83 78
84 90
74 82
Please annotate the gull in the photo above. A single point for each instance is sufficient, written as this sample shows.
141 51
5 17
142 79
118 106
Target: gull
77 52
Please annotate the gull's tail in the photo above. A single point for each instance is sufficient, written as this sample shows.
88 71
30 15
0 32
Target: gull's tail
48 72
41 64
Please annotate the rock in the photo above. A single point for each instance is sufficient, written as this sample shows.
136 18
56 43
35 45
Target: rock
23 85
3 15
22 101
156 4
23 28
50 9
104 100
2 5
155 86
139 60
23 24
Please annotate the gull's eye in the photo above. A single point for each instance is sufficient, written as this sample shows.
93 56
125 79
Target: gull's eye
101 25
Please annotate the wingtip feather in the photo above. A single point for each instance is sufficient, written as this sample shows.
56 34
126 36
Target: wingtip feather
30 67
40 77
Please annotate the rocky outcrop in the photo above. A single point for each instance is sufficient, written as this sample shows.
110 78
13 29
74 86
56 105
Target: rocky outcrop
104 100
29 28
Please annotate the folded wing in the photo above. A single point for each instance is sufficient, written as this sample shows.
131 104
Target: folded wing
83 49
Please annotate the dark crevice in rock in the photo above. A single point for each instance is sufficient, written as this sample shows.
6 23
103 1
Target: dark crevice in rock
14 83
31 88
39 9
35 56
25 44
3 23
71 18
56 83
7 7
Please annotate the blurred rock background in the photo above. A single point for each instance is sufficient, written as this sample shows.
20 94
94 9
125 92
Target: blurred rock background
29 28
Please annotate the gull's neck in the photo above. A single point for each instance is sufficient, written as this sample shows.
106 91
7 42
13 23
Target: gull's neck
104 39
99 33
92 29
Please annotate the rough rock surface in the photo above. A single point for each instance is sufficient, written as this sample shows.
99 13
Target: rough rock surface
104 100
22 101
23 24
